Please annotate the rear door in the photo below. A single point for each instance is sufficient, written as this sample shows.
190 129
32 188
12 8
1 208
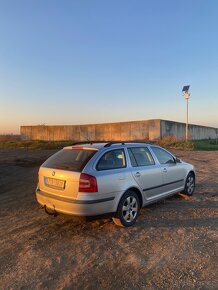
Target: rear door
112 172
145 171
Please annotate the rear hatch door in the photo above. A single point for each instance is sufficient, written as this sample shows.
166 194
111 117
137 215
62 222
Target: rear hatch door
60 174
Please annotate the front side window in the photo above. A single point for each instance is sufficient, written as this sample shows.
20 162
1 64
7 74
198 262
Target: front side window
112 160
140 156
163 156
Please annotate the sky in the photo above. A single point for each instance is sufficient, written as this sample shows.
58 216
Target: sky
96 61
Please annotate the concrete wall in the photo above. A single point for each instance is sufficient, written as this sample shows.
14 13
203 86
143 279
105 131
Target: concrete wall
136 130
195 132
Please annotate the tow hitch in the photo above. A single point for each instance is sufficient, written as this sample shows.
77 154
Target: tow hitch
50 211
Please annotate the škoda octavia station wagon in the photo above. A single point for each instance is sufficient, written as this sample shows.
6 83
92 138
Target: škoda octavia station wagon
117 178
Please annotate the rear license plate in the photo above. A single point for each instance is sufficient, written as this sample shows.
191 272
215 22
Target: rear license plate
55 183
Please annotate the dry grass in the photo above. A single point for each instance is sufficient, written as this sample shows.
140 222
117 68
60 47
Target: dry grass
9 138
172 141
15 141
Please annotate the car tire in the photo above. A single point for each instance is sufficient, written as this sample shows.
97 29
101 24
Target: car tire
189 184
128 209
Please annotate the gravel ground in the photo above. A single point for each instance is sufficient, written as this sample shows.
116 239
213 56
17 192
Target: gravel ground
172 246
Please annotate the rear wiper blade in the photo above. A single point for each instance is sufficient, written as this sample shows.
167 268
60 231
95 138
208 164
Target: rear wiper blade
63 167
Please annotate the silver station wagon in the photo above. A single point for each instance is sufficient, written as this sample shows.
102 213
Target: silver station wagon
117 178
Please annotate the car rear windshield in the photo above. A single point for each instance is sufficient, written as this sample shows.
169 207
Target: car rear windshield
70 159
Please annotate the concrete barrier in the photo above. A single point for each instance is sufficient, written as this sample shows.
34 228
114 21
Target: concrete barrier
195 132
135 130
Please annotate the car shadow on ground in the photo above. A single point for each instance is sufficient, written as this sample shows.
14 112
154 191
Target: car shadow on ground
155 215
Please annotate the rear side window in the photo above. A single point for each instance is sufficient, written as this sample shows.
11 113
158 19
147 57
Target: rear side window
140 156
112 160
163 156
70 159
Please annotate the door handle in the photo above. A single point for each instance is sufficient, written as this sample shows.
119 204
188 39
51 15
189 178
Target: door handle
165 170
138 174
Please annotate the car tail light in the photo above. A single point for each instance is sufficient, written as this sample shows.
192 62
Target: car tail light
87 183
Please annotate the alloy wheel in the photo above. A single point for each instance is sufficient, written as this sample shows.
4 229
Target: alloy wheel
190 184
130 209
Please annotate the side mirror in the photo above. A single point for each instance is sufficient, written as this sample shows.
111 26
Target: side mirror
177 160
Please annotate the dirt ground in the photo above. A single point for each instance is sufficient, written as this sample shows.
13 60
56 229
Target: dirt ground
172 246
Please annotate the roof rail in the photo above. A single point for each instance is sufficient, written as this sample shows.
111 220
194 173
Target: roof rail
108 143
114 142
124 142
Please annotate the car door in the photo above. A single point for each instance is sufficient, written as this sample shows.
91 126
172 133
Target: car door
146 172
111 171
173 172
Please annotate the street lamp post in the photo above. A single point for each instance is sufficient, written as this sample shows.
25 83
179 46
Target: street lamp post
186 94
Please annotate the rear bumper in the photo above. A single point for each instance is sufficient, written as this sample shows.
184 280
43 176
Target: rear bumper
88 206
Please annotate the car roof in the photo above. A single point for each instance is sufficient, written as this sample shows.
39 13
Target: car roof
85 146
99 145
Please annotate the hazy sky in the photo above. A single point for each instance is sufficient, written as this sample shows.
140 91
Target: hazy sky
79 62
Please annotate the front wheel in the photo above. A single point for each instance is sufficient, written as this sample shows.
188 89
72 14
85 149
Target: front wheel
128 209
189 184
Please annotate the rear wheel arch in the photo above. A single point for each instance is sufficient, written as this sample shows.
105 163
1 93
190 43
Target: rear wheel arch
128 208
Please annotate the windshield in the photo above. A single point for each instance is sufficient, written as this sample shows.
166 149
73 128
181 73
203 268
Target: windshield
69 159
